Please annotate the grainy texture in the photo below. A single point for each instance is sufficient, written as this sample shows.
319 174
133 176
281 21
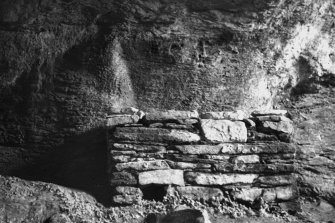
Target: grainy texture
65 65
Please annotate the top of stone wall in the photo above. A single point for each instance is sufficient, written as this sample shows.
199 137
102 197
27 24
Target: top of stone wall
133 116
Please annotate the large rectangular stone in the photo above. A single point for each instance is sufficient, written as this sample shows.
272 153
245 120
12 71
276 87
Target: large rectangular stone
171 115
219 179
198 149
143 165
160 135
162 177
115 120
217 131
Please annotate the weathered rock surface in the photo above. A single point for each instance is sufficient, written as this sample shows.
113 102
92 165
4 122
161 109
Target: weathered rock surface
127 195
162 177
285 125
197 193
233 116
142 134
219 179
170 115
143 165
247 194
199 149
115 120
218 131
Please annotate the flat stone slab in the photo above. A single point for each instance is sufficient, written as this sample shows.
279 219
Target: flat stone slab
219 179
162 177
198 149
269 112
115 120
142 165
224 115
196 193
246 159
171 115
185 165
158 135
281 180
140 148
217 131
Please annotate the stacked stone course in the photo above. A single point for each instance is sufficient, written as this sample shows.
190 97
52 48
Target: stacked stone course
202 157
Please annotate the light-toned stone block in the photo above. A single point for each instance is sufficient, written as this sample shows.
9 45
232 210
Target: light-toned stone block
217 131
162 177
219 179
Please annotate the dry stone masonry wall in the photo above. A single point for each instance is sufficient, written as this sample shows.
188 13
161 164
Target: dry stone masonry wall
201 157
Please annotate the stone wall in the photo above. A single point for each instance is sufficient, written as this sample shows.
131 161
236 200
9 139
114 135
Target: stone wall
201 157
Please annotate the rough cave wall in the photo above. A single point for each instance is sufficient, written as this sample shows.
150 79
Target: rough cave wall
65 65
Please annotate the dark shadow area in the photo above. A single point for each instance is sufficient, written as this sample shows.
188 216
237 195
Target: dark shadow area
154 192
80 163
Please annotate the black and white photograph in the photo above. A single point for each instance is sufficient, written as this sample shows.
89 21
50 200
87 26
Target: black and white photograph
167 111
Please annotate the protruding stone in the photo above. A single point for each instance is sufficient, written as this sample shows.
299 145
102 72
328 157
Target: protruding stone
115 120
283 126
196 193
143 165
157 135
269 112
127 195
199 149
140 148
162 177
247 194
224 115
170 115
219 179
122 178
217 131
